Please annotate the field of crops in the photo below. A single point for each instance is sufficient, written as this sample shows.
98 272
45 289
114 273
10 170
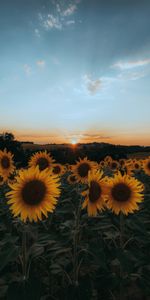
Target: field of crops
72 232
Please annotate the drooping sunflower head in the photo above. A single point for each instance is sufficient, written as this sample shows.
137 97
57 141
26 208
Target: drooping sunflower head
122 162
72 179
126 170
81 169
102 164
41 159
34 194
58 169
95 194
108 159
12 178
146 166
68 167
6 164
124 194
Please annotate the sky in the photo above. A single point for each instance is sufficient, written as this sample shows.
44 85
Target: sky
75 70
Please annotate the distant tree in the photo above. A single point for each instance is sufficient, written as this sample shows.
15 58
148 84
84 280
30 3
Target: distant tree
8 136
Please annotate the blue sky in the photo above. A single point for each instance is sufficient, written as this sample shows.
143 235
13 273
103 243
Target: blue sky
75 70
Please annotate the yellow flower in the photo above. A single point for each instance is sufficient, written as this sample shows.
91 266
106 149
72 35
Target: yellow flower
124 194
81 169
34 193
95 194
6 164
136 165
41 159
114 165
146 166
58 169
122 162
72 179
108 159
102 164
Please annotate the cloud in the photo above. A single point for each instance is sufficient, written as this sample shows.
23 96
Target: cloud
37 33
58 17
131 75
40 63
70 22
93 86
52 22
126 65
27 69
88 137
69 10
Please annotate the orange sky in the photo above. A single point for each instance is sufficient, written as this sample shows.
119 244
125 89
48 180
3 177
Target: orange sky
59 137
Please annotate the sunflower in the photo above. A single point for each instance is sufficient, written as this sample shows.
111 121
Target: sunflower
6 164
42 159
124 194
72 179
58 169
146 166
108 159
122 162
81 169
114 165
136 166
126 170
34 193
95 194
68 167
102 164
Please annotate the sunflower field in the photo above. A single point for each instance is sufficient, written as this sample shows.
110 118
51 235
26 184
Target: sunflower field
74 232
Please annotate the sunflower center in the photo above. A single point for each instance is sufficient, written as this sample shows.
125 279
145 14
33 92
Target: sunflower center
121 192
5 162
122 162
113 165
148 165
72 178
33 192
83 169
43 163
136 166
56 170
1 179
94 191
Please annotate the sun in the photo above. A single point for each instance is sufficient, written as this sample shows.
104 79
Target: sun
73 142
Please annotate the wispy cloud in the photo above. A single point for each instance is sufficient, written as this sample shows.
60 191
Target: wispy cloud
70 22
131 75
126 65
27 69
58 18
37 33
86 137
40 63
69 10
52 22
92 85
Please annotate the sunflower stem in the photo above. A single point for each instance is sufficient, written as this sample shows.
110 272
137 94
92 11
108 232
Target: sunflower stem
75 241
24 254
122 296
